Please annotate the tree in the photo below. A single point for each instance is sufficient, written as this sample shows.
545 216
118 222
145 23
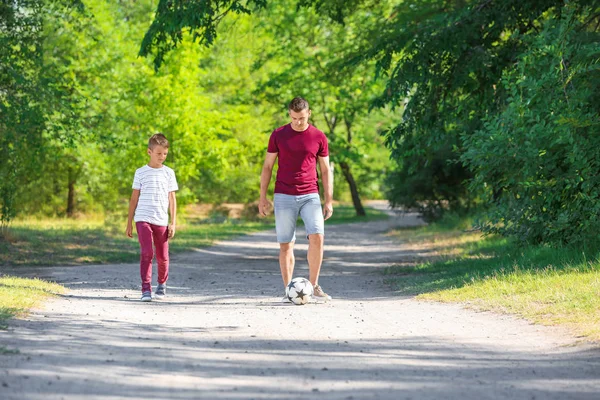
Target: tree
542 149
306 61
343 93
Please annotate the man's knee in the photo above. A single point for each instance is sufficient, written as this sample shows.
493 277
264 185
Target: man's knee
316 238
286 247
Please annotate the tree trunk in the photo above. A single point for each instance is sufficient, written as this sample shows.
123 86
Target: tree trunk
71 195
360 211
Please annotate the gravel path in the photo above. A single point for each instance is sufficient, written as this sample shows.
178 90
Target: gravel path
222 334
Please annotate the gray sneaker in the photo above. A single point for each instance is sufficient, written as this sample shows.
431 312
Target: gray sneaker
161 291
319 294
146 296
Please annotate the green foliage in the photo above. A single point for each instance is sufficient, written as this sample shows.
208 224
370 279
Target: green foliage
443 60
21 95
79 106
502 95
537 159
340 94
433 183
494 103
199 17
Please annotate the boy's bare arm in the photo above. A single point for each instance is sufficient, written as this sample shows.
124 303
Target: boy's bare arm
173 211
133 202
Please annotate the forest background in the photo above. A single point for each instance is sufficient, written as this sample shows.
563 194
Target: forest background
482 108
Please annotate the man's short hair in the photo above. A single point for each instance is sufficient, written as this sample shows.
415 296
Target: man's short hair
158 140
298 104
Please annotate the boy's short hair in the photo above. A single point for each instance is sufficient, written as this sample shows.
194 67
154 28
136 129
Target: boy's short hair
298 104
158 140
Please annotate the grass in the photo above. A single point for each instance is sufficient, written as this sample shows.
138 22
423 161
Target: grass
97 240
545 285
18 295
343 214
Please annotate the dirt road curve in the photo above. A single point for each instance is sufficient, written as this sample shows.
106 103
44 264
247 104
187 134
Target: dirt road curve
222 334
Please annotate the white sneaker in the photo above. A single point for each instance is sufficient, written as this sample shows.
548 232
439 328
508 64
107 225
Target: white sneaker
319 294
285 298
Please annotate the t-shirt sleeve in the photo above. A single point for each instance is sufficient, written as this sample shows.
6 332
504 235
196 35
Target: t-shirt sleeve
173 182
272 148
137 182
323 147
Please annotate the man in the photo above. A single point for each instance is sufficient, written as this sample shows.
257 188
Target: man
299 147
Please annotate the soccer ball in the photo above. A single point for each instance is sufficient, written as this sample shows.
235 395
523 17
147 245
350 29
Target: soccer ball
299 291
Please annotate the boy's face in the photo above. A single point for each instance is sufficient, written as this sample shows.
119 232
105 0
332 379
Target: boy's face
158 155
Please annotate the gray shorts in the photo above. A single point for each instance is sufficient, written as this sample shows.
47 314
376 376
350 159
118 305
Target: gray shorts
287 210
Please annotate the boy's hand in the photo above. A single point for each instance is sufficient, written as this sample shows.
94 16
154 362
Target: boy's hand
171 231
129 230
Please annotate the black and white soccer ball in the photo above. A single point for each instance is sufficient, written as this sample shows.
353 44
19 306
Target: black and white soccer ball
299 291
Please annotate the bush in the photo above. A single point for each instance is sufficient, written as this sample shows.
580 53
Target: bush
538 159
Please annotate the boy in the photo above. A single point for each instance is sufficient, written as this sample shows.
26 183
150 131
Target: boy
154 187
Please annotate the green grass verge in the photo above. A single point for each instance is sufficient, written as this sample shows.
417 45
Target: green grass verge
96 241
19 295
545 285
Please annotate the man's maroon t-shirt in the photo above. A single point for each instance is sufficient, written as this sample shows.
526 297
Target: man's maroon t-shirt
297 158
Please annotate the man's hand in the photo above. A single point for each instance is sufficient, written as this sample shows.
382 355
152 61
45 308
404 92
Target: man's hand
170 231
263 207
327 210
129 230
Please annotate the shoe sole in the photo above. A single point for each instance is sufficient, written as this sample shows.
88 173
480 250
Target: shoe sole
159 297
146 300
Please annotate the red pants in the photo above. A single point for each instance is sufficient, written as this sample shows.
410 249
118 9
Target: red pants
148 233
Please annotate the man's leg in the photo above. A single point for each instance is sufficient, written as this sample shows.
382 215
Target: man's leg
286 261
315 257
286 214
312 215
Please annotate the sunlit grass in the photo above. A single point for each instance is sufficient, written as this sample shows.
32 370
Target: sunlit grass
346 214
545 285
99 239
18 295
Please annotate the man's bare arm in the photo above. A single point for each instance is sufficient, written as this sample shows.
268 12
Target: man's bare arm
327 179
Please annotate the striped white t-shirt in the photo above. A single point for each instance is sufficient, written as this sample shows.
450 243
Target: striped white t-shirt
154 185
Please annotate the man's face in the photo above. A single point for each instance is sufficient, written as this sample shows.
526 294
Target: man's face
299 119
158 155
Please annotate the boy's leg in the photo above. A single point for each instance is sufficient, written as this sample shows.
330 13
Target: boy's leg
161 243
144 231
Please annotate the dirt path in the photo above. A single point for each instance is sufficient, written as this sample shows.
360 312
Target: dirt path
222 334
